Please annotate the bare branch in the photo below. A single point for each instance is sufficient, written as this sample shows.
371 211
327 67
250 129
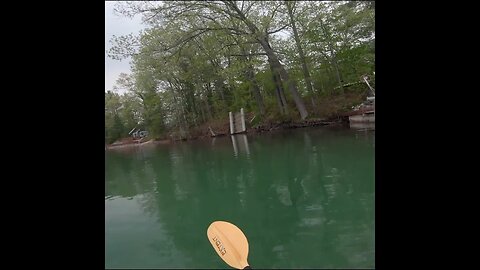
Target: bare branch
235 30
120 56
155 14
209 18
232 5
187 39
277 30
272 16
211 5
185 9
248 8
245 55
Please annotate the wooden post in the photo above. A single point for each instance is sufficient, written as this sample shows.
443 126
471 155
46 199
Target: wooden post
242 114
230 114
234 142
245 141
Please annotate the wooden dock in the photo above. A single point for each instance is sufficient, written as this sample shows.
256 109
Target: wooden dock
237 122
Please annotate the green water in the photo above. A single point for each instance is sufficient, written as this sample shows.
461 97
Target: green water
304 198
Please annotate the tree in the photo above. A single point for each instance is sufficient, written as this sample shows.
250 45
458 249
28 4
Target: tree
198 60
225 11
114 128
301 55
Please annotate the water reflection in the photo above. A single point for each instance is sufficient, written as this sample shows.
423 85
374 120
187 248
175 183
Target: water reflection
240 144
304 199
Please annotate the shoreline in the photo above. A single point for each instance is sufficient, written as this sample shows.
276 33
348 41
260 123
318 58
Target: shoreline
257 130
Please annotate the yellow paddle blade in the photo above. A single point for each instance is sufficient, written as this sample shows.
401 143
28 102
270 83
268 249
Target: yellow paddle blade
229 242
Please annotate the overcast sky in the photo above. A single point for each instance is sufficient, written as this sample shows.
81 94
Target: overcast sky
116 25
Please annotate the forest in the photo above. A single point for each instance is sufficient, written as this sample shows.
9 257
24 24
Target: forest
196 61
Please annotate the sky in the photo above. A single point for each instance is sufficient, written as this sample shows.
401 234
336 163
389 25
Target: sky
117 25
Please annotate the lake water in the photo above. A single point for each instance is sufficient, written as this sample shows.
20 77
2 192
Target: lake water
304 198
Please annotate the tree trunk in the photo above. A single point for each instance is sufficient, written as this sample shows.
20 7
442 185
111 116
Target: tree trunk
262 38
279 92
333 57
279 100
255 89
220 88
335 64
202 114
306 73
219 81
250 75
207 101
180 112
278 67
